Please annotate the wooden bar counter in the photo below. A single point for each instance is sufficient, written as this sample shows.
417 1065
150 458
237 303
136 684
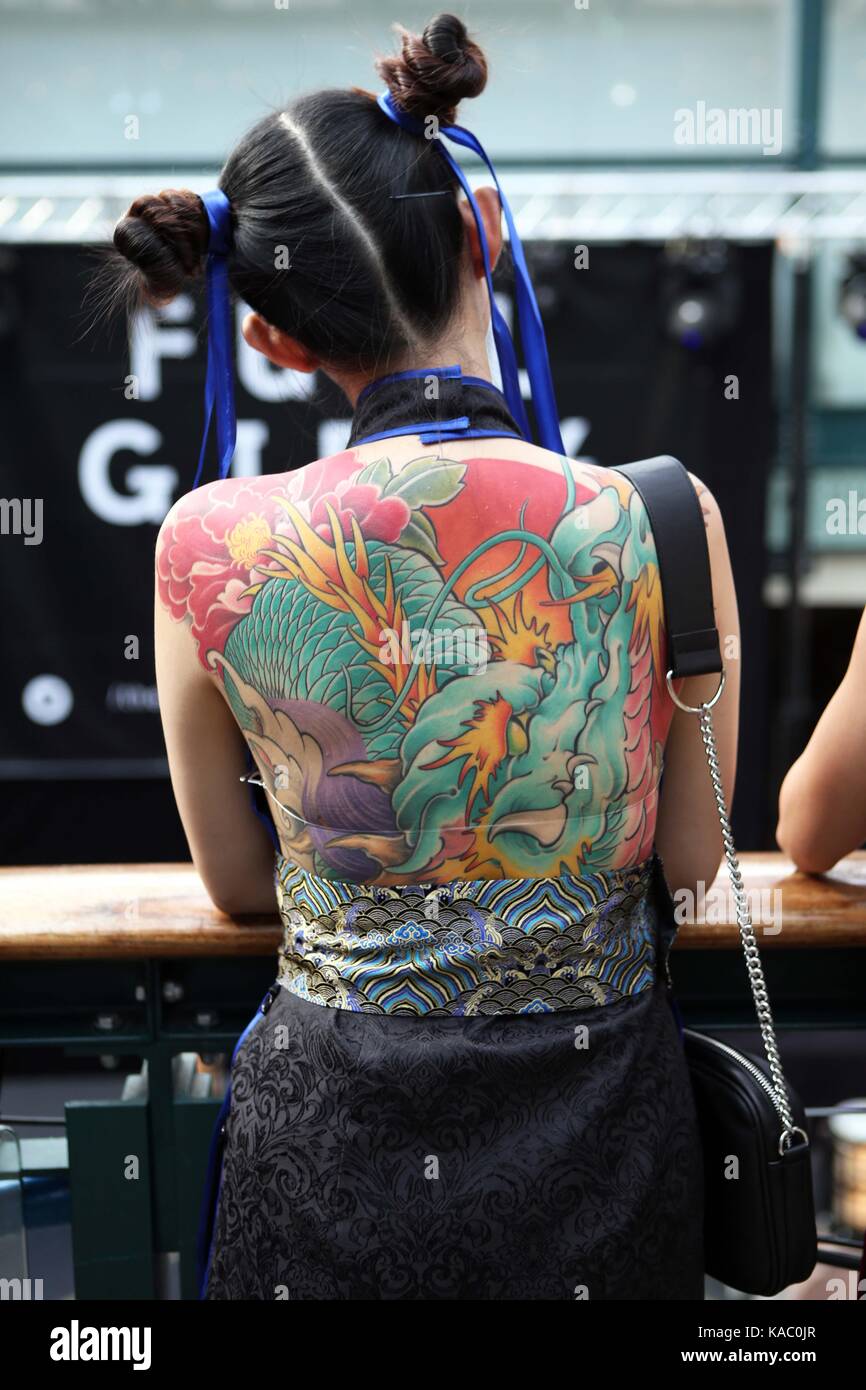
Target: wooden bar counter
122 911
132 964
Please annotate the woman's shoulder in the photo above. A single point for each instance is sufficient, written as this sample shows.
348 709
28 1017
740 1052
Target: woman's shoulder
598 480
212 511
217 543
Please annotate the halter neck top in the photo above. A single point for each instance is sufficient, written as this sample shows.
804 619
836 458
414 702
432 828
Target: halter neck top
438 403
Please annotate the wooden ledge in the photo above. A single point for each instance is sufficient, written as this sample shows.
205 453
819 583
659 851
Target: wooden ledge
123 911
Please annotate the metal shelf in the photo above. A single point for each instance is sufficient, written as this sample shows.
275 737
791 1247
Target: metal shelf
588 205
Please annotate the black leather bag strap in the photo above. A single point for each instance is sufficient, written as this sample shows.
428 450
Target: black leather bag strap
684 563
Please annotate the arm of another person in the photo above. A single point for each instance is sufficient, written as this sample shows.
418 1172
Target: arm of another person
822 803
229 845
688 836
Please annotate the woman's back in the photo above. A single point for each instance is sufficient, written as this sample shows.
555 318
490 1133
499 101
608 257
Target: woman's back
446 651
447 662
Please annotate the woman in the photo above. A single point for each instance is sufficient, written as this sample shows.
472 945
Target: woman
445 650
822 803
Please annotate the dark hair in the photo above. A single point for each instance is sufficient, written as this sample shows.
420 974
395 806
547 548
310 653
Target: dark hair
312 188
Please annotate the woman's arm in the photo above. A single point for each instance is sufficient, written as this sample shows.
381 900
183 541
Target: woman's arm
229 845
688 836
822 804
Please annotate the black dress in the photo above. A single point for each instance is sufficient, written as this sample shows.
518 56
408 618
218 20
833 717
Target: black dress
533 1155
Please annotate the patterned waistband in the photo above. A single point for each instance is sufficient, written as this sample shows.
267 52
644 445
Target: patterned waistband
474 946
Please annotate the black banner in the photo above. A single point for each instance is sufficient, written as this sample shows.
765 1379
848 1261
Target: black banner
100 437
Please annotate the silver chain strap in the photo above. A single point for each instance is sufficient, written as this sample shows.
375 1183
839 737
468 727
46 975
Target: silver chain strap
754 967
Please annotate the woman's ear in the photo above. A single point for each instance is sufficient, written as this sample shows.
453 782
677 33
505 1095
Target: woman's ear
276 345
490 209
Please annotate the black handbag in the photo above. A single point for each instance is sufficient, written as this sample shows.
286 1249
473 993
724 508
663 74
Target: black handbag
759 1214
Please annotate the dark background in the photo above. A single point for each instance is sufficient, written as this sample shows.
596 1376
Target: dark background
93 788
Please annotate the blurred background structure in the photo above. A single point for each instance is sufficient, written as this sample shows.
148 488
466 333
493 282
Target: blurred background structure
690 177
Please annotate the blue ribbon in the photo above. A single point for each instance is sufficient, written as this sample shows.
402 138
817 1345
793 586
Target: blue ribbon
220 383
529 316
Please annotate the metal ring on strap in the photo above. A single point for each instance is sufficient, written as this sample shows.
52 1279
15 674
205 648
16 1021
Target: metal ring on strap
788 1135
694 709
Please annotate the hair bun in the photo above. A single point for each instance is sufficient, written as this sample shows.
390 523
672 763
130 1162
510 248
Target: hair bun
435 70
165 236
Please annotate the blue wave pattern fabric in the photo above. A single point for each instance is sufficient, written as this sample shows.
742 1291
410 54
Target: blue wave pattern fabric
474 946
